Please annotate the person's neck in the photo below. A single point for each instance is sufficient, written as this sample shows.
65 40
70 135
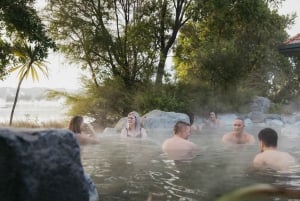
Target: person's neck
132 128
269 148
239 134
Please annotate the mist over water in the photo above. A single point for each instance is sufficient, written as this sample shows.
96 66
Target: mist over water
131 169
33 110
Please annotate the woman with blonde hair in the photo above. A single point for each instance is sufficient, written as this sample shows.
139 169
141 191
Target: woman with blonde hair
133 128
85 133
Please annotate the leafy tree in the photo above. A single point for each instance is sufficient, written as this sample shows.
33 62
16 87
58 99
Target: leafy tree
172 17
126 39
20 17
30 64
111 39
120 43
92 102
233 48
23 41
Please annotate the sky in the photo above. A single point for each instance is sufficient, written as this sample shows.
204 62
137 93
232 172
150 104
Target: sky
64 75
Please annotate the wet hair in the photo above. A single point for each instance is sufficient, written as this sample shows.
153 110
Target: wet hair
75 123
191 117
180 126
137 119
240 118
268 136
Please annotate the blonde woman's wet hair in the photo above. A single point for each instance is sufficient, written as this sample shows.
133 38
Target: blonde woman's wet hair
137 119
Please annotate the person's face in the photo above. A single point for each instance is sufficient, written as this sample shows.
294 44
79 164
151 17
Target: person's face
131 119
212 116
238 126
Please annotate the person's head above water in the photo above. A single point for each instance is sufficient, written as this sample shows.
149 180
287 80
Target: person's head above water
178 147
270 156
133 120
238 135
75 124
133 128
238 126
268 137
212 116
182 129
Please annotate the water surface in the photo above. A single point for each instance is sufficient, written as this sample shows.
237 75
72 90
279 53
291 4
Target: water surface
131 169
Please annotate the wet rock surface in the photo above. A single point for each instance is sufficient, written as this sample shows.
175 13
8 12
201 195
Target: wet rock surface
42 165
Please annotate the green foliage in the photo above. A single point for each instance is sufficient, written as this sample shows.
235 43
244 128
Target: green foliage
106 103
232 50
29 63
227 55
18 19
118 40
170 97
84 32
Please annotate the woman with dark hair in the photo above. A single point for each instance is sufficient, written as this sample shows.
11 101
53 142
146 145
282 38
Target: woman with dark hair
85 133
133 128
213 121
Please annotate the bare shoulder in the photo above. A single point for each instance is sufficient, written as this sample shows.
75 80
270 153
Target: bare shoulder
258 159
123 132
226 136
250 138
143 132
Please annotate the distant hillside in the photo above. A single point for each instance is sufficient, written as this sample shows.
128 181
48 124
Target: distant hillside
36 93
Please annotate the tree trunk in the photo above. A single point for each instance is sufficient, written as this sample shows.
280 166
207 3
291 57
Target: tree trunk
17 95
160 70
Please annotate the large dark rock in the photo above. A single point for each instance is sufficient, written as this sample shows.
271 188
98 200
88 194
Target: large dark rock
41 166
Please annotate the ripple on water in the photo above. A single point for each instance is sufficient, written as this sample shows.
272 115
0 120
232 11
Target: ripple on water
131 169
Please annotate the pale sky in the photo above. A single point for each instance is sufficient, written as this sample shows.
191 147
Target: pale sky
63 75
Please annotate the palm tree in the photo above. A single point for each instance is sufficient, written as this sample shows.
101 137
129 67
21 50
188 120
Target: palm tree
30 64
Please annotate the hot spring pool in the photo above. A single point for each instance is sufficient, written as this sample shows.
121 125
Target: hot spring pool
131 169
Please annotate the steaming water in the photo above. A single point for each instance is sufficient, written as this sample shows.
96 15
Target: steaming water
130 169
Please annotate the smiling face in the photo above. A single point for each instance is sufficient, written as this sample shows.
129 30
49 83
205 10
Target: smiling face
238 126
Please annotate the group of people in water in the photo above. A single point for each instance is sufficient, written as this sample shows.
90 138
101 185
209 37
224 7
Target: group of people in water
178 147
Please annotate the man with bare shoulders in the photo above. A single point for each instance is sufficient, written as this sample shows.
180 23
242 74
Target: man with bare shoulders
238 135
178 147
270 157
